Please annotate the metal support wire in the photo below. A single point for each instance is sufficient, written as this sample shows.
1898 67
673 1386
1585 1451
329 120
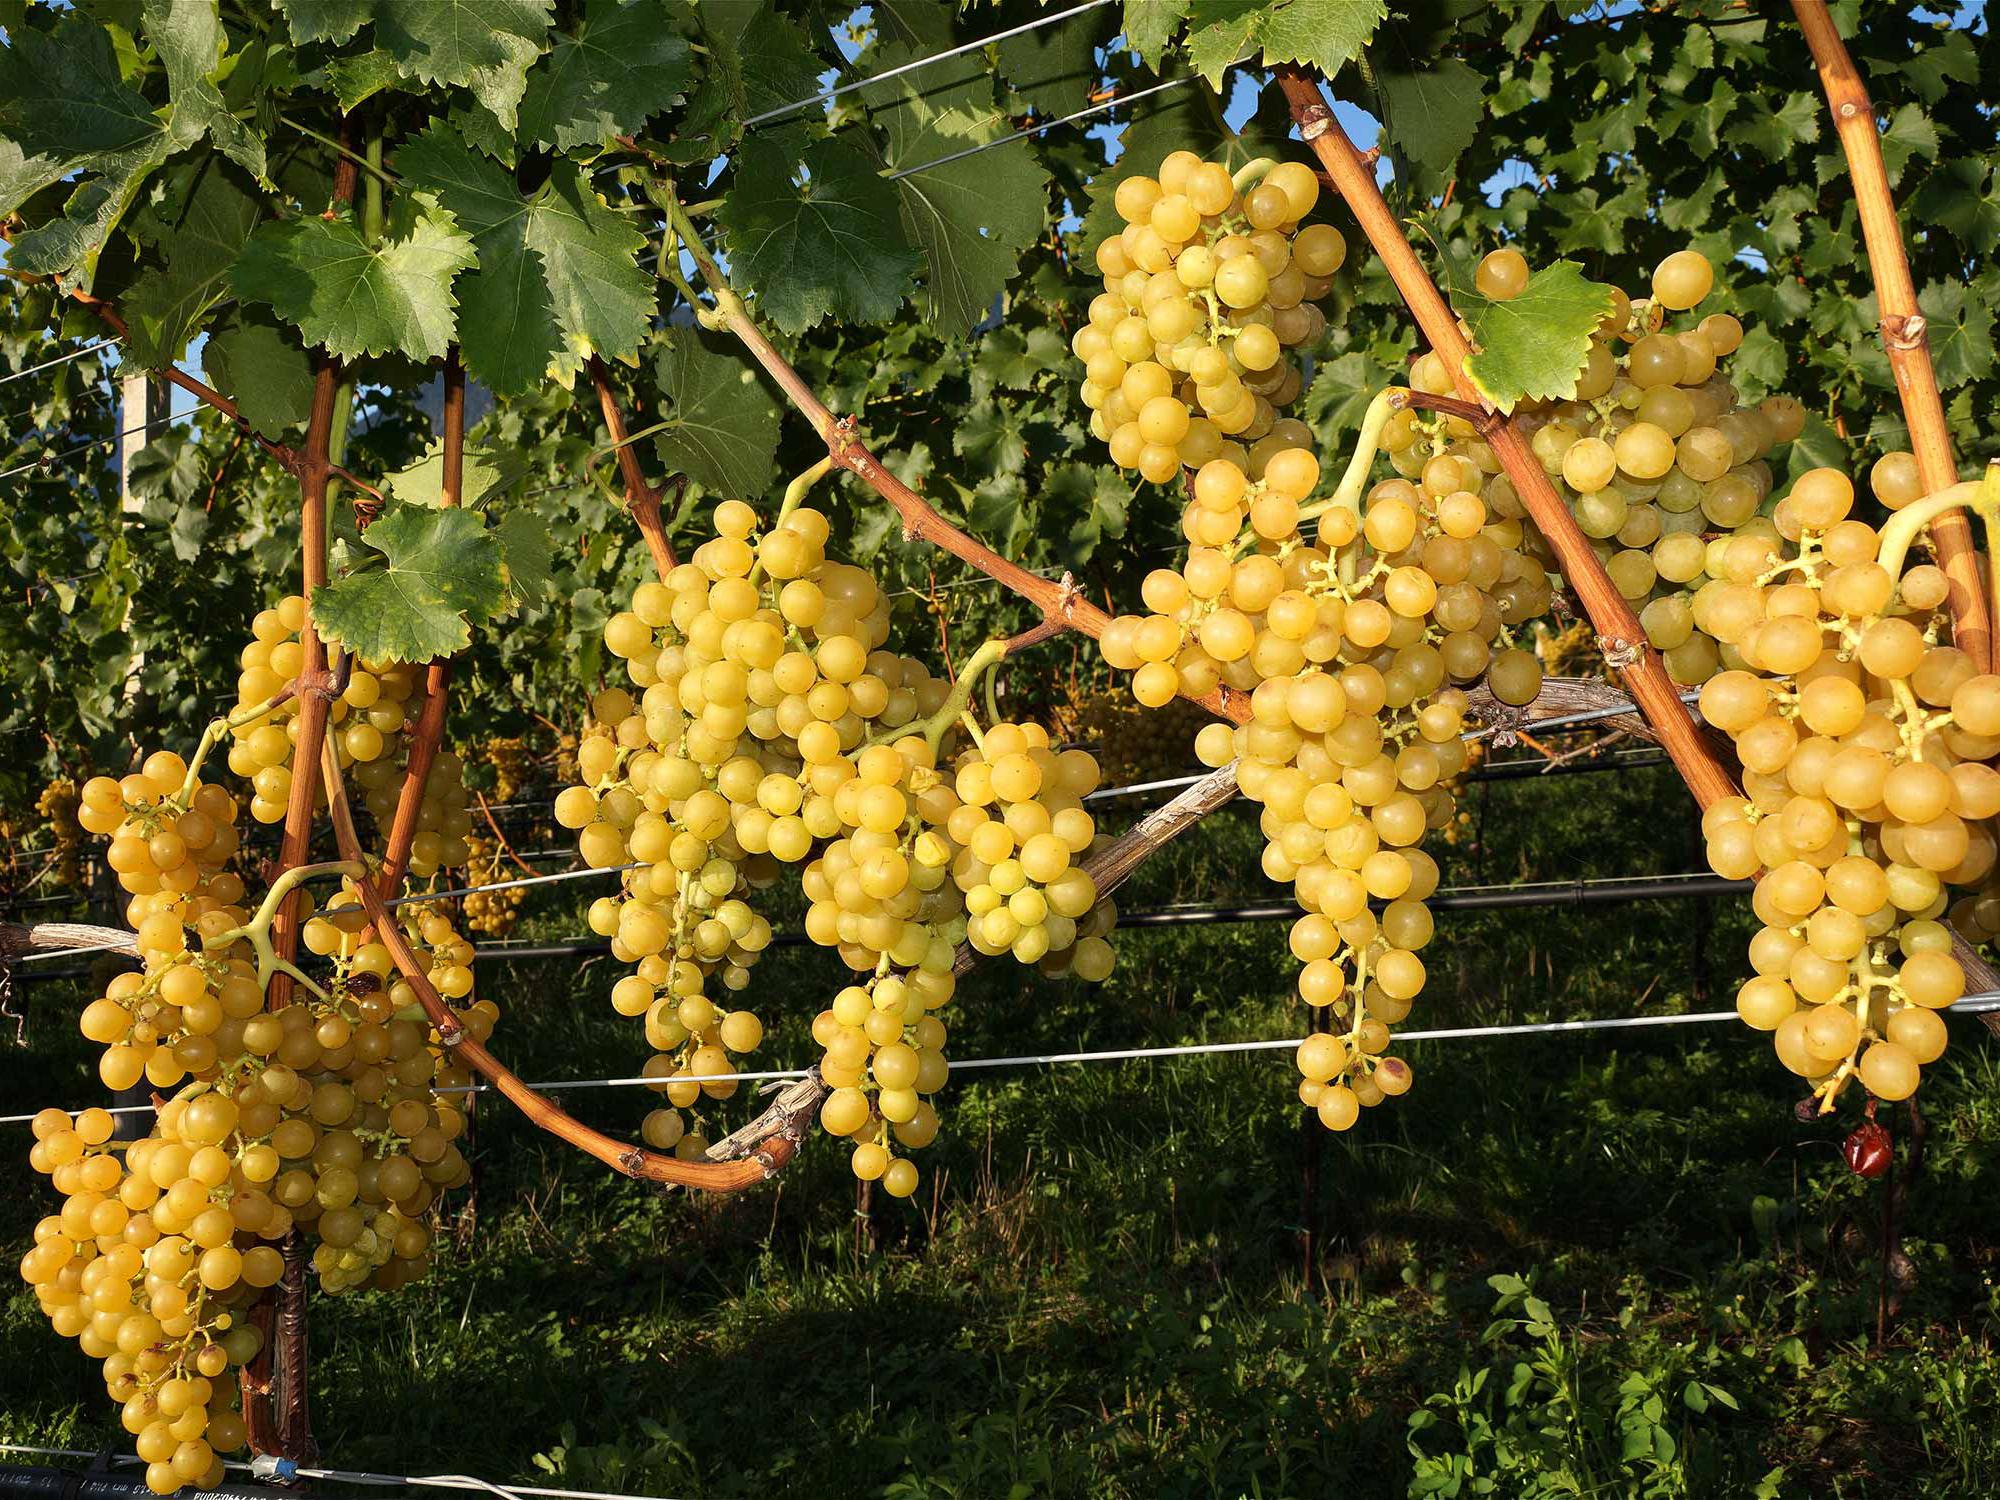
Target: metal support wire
60 359
824 95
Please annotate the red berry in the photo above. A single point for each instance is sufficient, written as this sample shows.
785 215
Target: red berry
1868 1150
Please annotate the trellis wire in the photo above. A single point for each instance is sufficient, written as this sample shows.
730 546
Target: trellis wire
284 1469
1976 1004
56 458
1046 125
912 66
60 359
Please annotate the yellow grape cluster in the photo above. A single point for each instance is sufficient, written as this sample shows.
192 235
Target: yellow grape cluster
759 668
170 836
57 807
984 851
490 913
325 1114
1354 623
1869 793
1131 742
367 729
1655 454
1208 285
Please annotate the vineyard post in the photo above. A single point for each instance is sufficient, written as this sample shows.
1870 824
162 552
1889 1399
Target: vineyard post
1905 334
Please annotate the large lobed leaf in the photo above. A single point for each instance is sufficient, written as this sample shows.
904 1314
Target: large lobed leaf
438 569
354 299
436 41
623 65
719 425
815 234
1323 34
558 276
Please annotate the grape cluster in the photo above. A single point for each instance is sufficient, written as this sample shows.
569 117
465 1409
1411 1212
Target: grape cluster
1133 743
1868 791
507 759
490 913
335 1113
367 729
56 806
1205 289
759 667
1655 454
1354 623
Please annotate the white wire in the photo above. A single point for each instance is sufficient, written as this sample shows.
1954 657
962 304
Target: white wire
59 359
347 1476
41 953
1034 130
1970 1005
922 62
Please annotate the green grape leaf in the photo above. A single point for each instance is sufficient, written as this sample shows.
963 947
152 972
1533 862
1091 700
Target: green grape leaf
1053 68
1016 360
970 218
990 436
996 509
438 571
359 78
484 472
623 65
167 303
266 374
829 245
320 276
1098 499
1908 134
1963 196
67 113
526 550
558 276
1149 28
188 36
1323 34
1431 115
1534 344
1758 366
1961 328
720 424
1774 131
758 59
1338 397
490 120
436 41
1950 59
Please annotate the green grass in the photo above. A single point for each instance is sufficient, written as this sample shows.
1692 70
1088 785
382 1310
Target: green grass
1588 1265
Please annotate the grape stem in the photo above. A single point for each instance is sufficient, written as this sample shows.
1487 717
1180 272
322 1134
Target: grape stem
219 727
1254 170
1899 532
960 698
795 494
641 498
258 928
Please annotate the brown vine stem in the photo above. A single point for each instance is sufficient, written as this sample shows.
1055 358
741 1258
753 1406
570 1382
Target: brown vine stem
1644 675
1053 598
641 498
1904 335
428 731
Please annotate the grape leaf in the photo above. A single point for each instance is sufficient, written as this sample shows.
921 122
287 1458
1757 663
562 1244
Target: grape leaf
359 78
1961 329
970 218
437 41
437 567
265 373
66 112
1534 344
1909 133
623 65
526 547
322 277
188 36
1431 115
1963 196
168 302
1338 397
1150 26
558 275
1093 499
1323 34
1053 68
1774 131
484 473
720 423
827 245
757 60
